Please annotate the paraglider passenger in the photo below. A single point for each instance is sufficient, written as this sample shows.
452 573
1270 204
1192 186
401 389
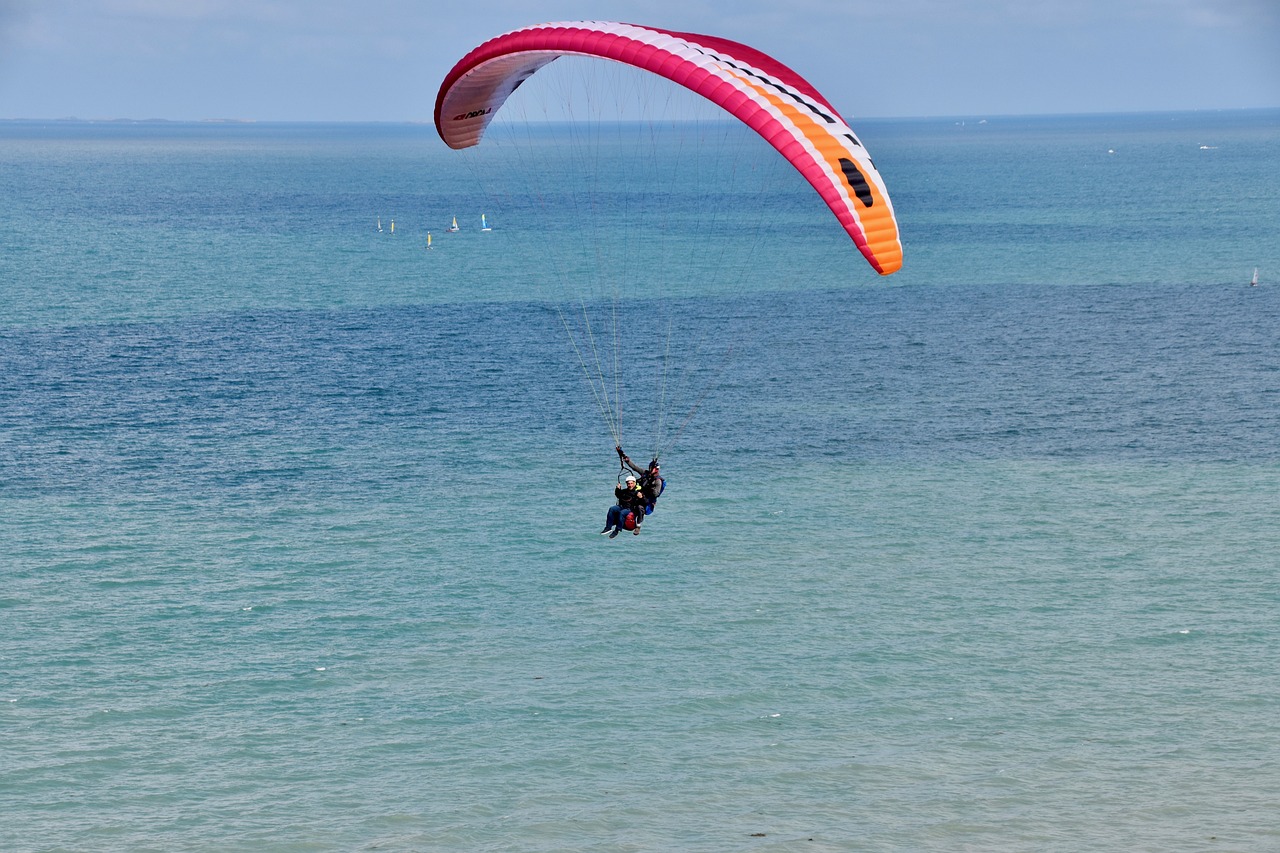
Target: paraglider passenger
629 501
651 482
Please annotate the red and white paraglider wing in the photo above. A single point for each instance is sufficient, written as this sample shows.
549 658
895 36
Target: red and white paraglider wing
764 94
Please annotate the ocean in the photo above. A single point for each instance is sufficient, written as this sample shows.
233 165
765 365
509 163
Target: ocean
299 518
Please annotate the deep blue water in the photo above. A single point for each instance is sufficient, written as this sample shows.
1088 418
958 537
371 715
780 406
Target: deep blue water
298 519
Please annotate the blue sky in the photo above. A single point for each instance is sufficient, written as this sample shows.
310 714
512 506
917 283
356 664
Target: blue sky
381 60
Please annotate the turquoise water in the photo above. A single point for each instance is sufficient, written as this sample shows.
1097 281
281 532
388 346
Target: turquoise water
299 520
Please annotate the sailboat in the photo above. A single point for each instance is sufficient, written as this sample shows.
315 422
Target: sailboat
1254 281
454 226
379 224
484 224
428 239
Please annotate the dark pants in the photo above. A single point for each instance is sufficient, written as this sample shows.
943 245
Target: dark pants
617 517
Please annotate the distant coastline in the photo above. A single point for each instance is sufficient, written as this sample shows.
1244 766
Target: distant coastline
971 118
78 120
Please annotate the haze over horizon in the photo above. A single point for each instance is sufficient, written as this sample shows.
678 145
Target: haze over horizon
328 60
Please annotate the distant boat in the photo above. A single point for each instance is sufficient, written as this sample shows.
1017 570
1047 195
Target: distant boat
393 226
379 224
484 224
454 226
428 239
1254 281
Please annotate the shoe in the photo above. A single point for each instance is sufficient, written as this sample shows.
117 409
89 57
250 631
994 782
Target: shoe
606 530
613 533
636 532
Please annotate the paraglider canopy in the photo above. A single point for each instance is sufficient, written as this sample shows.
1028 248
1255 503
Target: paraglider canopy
766 95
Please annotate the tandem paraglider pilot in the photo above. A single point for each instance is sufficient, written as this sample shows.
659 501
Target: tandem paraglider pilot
651 482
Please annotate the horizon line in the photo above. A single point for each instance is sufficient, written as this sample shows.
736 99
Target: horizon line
430 122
